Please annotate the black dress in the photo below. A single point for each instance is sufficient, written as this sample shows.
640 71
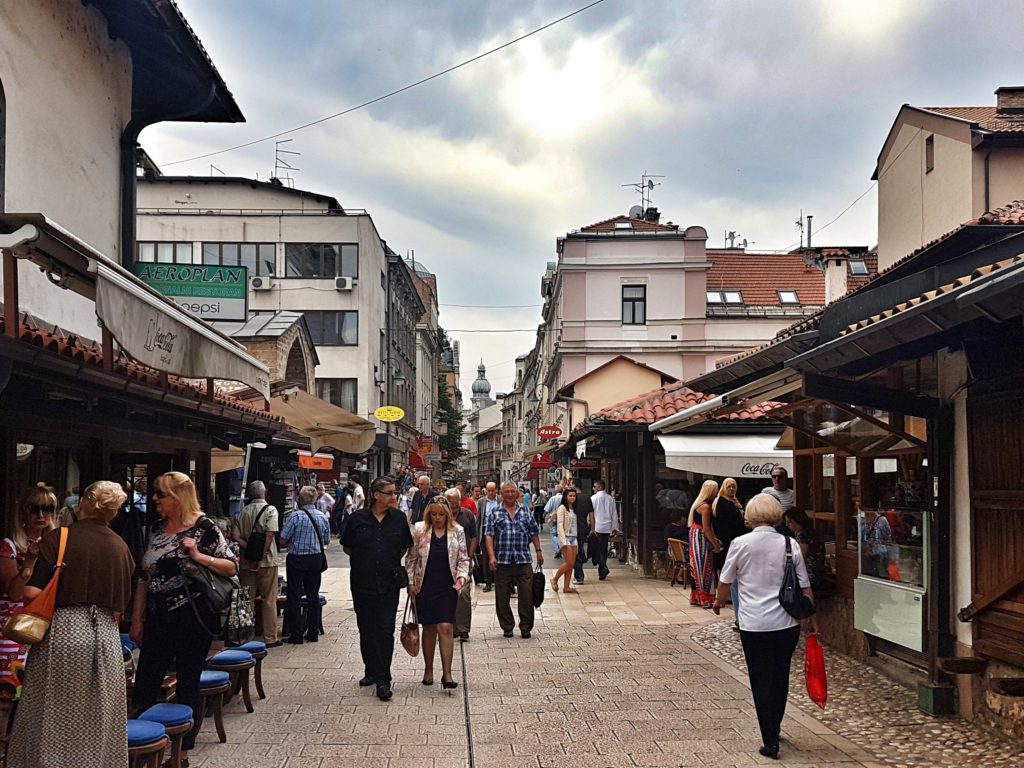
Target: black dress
437 598
729 525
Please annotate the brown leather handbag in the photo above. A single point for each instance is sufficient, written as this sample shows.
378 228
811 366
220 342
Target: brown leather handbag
30 625
410 634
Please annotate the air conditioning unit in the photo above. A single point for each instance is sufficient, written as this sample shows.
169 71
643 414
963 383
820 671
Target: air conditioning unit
343 283
260 283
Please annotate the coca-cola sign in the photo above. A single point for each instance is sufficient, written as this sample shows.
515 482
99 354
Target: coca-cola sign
549 432
758 470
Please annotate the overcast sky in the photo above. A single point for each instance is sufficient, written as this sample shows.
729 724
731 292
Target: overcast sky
752 111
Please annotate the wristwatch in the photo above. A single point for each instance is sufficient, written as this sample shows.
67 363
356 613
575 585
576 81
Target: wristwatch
26 573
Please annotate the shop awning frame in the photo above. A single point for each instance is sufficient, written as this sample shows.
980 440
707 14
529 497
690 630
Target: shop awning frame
733 455
324 424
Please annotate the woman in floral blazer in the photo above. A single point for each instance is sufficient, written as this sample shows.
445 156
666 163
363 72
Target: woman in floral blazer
438 567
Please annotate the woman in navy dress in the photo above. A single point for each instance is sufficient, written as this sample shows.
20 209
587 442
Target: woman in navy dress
438 566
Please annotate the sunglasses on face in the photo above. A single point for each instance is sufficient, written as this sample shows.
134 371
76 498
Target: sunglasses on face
45 509
387 493
778 477
160 494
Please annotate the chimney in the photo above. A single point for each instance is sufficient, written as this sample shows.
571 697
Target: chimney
1010 102
809 217
652 215
835 269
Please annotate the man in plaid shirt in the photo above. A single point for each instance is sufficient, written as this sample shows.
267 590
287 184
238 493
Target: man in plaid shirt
509 530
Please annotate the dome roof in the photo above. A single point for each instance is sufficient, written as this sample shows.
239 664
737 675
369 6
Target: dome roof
481 386
418 268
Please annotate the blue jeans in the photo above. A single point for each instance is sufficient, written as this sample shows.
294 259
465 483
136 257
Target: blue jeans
554 540
735 592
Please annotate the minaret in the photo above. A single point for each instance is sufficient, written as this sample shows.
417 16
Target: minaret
481 389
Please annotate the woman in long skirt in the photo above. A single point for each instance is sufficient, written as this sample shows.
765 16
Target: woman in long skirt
703 545
73 708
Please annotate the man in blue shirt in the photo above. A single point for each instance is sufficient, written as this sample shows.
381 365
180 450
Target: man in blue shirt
306 532
509 531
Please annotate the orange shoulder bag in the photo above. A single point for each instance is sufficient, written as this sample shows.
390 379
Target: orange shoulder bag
30 625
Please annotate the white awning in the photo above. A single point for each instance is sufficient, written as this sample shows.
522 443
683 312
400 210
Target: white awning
223 461
323 423
725 455
152 329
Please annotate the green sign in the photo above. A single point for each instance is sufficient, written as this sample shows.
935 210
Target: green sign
209 292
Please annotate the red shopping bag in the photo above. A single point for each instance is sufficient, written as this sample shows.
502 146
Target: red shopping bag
814 671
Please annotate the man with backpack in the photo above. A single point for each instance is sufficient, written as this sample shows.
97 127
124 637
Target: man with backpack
255 529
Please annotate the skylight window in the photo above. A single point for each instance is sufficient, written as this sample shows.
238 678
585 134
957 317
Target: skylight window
623 226
715 297
788 297
858 268
733 297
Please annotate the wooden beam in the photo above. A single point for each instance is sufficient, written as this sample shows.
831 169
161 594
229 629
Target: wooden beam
10 295
108 350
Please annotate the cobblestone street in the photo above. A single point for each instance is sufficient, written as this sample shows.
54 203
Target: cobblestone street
610 678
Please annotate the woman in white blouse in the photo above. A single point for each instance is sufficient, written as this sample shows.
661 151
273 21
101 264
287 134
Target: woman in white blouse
756 562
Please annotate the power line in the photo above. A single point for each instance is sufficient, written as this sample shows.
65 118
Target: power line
395 92
493 306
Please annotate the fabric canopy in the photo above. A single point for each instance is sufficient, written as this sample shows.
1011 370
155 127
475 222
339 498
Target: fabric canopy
725 455
416 461
324 424
223 461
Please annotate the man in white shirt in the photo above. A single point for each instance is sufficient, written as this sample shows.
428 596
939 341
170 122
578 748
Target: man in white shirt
780 489
484 506
604 522
358 497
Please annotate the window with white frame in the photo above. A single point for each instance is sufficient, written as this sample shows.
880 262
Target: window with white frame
165 253
858 268
732 297
788 297
715 297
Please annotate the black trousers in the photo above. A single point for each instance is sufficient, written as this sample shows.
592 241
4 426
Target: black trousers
768 656
303 575
506 577
375 618
173 637
601 552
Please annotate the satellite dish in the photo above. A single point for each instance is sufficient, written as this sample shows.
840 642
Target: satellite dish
636 212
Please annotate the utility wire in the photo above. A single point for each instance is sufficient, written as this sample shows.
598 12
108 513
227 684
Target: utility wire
388 95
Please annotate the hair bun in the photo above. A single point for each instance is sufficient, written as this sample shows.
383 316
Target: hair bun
41 485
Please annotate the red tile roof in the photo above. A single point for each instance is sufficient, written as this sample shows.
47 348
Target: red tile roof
639 225
668 400
986 118
759 277
90 353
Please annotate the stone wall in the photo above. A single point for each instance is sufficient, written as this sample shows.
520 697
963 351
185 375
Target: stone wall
835 625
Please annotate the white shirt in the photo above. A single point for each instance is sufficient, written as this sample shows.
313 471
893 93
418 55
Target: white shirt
786 498
606 514
358 498
756 562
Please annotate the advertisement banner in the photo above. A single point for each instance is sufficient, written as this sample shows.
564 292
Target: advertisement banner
209 292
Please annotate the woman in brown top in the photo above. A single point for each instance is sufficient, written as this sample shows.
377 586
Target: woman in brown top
73 707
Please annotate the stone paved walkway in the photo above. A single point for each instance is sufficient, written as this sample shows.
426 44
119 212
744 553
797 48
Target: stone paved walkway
610 678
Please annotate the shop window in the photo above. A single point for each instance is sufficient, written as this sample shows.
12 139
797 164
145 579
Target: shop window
258 258
321 260
164 253
343 393
634 305
333 329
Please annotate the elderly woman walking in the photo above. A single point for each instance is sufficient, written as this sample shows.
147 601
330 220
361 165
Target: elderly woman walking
757 562
438 567
703 544
73 707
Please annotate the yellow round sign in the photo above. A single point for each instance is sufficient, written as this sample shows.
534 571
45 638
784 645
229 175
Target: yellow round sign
389 413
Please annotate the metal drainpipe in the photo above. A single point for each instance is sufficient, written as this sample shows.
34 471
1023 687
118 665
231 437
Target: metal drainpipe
129 141
987 201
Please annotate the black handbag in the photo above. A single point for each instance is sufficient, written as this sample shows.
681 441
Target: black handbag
320 541
539 585
213 591
791 595
254 546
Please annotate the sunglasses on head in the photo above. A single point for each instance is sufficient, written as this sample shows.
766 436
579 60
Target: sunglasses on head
42 509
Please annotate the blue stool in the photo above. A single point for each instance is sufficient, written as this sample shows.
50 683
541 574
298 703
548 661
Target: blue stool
303 616
237 664
146 744
259 653
214 686
176 720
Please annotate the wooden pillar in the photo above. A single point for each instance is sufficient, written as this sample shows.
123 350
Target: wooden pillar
203 482
108 350
646 498
8 451
211 393
10 298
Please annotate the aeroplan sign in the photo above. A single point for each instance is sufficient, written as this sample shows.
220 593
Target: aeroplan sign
208 292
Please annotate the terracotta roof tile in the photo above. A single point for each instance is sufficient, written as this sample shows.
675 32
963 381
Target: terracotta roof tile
667 401
90 353
639 225
759 277
986 118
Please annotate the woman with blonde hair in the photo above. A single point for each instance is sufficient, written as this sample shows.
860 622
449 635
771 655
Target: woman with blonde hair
727 510
81 654
565 525
703 544
438 567
167 625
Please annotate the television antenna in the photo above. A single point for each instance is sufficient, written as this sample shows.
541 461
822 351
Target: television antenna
281 163
800 225
215 168
645 187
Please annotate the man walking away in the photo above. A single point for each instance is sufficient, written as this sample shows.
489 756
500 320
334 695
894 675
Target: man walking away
549 517
306 532
260 519
464 608
376 540
421 499
509 530
484 506
604 521
584 535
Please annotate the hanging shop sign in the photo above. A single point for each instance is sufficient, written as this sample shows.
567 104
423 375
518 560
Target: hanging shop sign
389 413
584 464
541 461
210 293
315 461
549 432
424 444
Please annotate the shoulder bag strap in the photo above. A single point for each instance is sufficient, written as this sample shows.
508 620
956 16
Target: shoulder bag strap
316 530
259 516
60 550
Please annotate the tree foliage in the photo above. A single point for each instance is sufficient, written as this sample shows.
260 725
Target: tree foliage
448 415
